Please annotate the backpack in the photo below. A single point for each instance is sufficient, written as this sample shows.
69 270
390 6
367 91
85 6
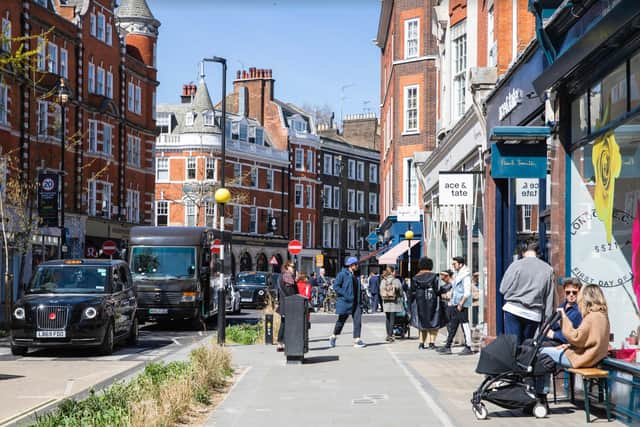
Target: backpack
388 290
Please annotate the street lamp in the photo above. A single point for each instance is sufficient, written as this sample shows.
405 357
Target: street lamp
63 96
409 235
222 196
340 204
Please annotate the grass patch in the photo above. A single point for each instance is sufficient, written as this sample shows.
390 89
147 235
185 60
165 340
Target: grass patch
245 334
159 396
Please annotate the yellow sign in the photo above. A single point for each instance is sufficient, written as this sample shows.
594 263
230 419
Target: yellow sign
319 260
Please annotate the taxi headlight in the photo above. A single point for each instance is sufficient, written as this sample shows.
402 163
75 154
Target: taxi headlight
260 292
90 313
18 313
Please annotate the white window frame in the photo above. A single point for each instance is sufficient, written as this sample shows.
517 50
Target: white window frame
298 231
326 234
253 177
43 118
130 97
4 104
100 31
209 213
100 81
259 138
336 165
64 62
459 65
360 171
237 173
310 161
309 233
191 165
409 182
162 209
42 54
190 213
133 206
299 159
162 168
327 164
108 34
109 89
351 200
6 35
92 25
138 100
133 150
336 198
527 215
52 58
91 197
351 169
106 199
208 118
270 179
360 201
210 166
336 234
309 196
298 200
350 235
411 104
189 118
237 219
93 136
411 38
91 82
253 219
373 173
373 203
327 192
107 138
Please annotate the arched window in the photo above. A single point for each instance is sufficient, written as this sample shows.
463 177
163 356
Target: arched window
261 263
245 262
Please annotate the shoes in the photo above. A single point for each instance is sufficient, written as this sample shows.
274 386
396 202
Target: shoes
280 348
432 346
421 346
390 339
444 350
332 342
359 343
465 352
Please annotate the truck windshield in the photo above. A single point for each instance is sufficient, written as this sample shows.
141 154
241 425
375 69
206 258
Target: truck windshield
163 262
69 280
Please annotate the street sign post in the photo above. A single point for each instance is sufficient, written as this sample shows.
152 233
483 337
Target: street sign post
372 239
109 247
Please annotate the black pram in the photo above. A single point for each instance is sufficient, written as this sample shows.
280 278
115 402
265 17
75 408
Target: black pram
512 373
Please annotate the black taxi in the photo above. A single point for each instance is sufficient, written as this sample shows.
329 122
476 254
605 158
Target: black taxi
84 303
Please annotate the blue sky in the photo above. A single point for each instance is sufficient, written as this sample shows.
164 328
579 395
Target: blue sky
314 47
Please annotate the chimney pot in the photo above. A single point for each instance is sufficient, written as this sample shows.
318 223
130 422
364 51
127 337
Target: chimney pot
244 74
238 74
269 72
184 90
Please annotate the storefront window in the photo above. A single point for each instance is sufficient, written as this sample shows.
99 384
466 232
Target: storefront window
609 98
605 209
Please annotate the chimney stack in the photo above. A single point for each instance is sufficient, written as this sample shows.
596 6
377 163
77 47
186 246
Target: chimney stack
188 90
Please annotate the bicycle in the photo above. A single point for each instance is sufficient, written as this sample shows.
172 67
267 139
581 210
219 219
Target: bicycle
329 303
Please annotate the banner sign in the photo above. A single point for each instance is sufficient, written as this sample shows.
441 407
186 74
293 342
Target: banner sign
521 160
408 213
527 191
48 199
455 189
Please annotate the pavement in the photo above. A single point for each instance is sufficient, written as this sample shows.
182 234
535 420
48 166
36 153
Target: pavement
381 385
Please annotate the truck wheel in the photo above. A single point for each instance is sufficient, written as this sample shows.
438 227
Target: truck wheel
18 350
108 342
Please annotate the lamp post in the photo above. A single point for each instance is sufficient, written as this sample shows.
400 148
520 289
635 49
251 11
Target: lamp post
409 235
340 182
222 196
361 224
63 99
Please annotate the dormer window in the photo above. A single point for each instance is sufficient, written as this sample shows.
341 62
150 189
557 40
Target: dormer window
299 126
208 118
259 136
242 136
188 119
235 128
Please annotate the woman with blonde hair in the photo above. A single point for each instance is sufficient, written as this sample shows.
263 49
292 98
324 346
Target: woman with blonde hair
587 344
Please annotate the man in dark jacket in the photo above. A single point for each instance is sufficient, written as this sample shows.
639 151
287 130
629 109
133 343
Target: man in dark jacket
570 305
374 290
348 302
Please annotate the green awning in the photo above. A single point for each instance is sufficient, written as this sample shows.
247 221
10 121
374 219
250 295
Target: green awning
520 133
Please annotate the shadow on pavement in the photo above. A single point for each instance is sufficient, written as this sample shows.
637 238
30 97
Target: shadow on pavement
10 377
320 359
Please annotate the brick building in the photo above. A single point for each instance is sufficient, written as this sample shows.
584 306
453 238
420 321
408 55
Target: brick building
188 171
106 58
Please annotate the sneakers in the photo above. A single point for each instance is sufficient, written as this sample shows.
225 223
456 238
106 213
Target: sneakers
359 343
280 348
465 352
444 350
432 346
421 346
332 341
389 339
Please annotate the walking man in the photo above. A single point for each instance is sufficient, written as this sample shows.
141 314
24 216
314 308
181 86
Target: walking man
348 302
374 290
458 309
527 287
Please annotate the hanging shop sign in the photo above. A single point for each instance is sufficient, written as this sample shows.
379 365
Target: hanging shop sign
455 189
408 213
527 191
521 160
48 199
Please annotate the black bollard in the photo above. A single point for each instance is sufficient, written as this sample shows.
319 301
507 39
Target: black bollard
268 329
222 308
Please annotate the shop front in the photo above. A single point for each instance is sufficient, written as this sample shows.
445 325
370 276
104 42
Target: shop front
258 253
399 251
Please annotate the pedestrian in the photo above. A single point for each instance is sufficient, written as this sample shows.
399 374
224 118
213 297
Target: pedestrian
527 287
303 285
571 287
458 308
391 292
323 284
427 307
286 287
348 302
366 296
374 291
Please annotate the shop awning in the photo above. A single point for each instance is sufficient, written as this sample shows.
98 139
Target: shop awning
372 254
391 256
519 133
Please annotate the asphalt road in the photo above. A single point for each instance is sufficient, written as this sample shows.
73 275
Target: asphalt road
39 380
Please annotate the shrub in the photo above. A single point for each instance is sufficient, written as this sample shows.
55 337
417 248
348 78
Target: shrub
244 334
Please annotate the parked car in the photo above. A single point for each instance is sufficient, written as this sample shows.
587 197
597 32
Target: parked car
254 287
80 303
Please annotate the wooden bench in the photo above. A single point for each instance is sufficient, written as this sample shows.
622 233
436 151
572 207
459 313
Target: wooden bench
590 377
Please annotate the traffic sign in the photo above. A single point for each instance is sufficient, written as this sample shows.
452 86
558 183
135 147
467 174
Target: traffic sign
215 246
372 239
295 247
109 247
273 260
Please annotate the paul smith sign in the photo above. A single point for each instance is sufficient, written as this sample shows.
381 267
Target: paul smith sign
511 101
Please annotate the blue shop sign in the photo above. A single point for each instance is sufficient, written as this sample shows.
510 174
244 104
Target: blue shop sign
519 160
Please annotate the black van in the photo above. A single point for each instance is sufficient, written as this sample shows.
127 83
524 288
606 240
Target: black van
88 302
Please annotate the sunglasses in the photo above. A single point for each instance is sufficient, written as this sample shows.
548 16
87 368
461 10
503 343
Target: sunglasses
571 292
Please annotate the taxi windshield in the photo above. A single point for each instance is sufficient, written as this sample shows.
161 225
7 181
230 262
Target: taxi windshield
252 279
71 279
163 262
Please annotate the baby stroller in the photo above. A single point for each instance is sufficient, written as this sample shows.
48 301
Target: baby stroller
512 372
401 328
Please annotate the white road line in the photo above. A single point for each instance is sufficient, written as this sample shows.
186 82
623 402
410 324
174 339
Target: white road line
175 341
437 410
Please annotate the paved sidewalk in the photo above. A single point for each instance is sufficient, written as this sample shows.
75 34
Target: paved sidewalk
380 385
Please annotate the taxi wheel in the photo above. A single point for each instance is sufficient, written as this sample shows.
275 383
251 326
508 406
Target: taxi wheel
19 350
107 343
133 333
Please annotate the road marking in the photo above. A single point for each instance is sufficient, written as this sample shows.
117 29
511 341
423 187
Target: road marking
68 387
437 410
175 341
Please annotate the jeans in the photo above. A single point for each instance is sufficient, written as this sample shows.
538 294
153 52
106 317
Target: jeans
375 302
557 355
519 326
391 318
457 318
356 315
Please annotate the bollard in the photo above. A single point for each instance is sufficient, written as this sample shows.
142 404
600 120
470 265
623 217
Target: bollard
268 329
222 307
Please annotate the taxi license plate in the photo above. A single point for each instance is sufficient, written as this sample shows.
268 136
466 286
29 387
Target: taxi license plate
158 310
51 334
246 299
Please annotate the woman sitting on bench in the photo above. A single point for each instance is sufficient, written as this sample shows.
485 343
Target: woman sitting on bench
588 344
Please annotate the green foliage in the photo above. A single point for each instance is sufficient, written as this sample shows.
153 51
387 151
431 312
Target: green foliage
244 334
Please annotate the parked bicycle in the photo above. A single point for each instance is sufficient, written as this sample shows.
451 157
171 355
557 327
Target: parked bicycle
329 303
